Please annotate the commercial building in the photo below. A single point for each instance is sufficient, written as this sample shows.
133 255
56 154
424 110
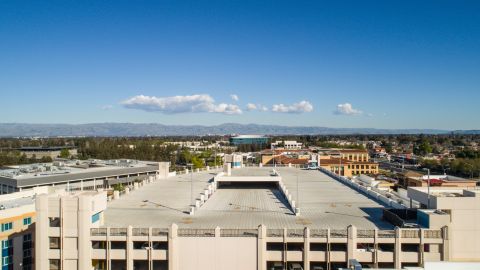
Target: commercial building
235 160
17 231
288 145
78 174
348 162
440 180
46 152
249 139
245 218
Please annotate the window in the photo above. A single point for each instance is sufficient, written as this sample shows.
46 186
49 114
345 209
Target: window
27 221
54 222
54 242
6 260
27 237
54 264
96 217
6 244
27 253
7 226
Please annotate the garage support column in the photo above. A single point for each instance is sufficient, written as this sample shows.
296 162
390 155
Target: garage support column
351 243
306 249
173 247
129 248
398 248
261 248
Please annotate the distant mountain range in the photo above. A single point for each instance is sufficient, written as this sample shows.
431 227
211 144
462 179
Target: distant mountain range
130 129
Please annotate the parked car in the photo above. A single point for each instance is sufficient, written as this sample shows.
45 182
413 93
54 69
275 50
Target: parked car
277 266
295 266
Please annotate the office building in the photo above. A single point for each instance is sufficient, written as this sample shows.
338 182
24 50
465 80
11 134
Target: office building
249 139
40 152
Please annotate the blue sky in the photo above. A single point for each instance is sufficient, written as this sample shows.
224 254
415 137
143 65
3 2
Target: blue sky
382 64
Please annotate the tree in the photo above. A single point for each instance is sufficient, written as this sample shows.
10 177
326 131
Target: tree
65 153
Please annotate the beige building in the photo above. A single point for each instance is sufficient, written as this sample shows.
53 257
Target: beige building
246 221
17 232
457 208
49 152
348 162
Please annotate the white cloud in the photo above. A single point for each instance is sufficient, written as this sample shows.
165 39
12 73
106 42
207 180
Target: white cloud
346 109
106 107
234 97
256 107
300 107
180 104
251 107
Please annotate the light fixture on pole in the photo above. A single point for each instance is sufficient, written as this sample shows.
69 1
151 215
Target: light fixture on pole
191 183
428 187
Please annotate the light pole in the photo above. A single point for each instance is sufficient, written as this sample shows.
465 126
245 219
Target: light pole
340 169
191 183
428 187
298 198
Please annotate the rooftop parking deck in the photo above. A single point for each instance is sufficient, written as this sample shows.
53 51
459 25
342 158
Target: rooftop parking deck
324 203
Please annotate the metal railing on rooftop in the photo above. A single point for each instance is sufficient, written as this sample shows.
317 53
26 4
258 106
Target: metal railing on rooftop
196 232
415 233
365 233
118 231
140 231
159 232
338 233
238 233
318 233
295 232
432 234
274 232
386 234
98 232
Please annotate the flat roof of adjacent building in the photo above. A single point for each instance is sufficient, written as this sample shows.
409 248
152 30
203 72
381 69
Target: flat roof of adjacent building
324 203
45 173
248 136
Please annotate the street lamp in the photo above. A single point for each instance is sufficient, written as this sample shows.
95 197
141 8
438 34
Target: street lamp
428 187
191 183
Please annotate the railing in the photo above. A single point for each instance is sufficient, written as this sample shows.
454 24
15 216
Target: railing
410 233
159 232
295 233
118 231
274 232
338 233
98 232
386 234
432 234
238 233
140 231
196 232
365 233
318 233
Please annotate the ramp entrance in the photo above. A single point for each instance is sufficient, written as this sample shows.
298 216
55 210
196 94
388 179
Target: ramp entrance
247 185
